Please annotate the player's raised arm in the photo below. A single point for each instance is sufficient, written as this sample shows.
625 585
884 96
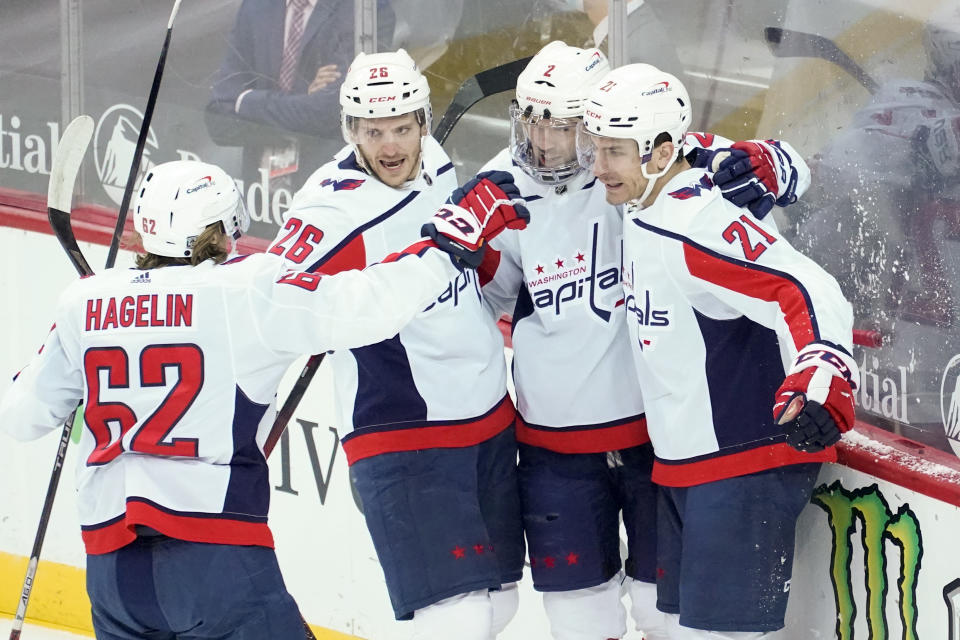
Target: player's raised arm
355 307
44 392
756 174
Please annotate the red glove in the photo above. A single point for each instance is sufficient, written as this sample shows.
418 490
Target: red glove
458 232
495 200
824 378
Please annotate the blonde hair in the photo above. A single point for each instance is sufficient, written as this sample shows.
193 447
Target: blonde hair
209 245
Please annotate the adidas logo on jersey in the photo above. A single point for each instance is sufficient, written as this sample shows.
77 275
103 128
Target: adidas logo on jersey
143 278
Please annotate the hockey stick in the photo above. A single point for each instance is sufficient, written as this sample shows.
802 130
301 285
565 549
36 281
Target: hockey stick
476 88
141 141
63 176
785 43
471 91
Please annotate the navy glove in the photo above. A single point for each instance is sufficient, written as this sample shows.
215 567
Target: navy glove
813 430
749 176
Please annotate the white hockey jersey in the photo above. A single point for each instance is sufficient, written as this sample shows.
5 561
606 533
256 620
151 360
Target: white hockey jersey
440 382
559 280
718 304
178 370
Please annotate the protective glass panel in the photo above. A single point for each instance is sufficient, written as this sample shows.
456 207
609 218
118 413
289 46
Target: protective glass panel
865 91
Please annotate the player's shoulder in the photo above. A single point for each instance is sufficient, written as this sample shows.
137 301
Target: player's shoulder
501 162
343 174
528 187
686 201
703 140
435 160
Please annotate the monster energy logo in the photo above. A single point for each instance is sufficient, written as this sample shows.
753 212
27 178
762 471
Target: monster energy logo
877 526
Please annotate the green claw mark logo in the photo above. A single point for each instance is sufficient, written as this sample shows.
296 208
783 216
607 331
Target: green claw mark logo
877 526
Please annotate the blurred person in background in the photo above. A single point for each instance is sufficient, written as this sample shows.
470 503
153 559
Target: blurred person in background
276 93
884 218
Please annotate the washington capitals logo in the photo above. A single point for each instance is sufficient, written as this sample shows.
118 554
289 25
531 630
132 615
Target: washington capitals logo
347 184
694 191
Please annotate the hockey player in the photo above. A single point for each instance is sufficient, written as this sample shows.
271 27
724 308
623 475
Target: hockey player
726 321
177 363
428 423
585 455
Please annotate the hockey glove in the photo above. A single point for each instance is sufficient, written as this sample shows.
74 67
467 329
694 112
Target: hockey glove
813 430
814 404
939 145
751 175
458 232
495 200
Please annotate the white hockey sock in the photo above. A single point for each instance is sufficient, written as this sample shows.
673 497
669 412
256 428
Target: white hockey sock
468 616
587 614
643 609
505 602
679 632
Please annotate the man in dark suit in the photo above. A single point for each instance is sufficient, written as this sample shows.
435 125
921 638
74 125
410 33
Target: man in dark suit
276 94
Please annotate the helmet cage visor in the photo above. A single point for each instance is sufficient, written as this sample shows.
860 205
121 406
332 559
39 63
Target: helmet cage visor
588 143
542 146
359 130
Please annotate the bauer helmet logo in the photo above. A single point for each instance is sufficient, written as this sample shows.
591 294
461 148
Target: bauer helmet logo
114 143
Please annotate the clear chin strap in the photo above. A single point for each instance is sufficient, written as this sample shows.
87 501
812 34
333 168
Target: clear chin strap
637 203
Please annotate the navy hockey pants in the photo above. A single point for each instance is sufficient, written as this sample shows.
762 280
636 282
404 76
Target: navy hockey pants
725 548
160 588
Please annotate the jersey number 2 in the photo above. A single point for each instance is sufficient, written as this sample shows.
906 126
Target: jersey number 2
150 437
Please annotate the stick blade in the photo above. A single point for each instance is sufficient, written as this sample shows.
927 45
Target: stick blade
66 162
793 409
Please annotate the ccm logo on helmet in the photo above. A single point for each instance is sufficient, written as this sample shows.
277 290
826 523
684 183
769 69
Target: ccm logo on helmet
591 114
383 99
206 181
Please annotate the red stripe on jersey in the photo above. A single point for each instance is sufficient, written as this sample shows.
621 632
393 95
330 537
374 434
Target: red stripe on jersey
488 268
214 530
592 439
352 256
688 474
756 283
416 249
366 442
